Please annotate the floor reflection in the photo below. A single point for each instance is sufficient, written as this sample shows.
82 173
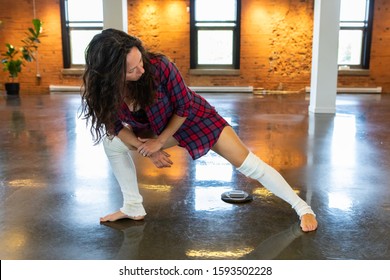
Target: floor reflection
340 201
268 249
55 184
209 199
343 150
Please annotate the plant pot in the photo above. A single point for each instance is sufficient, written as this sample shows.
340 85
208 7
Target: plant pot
12 88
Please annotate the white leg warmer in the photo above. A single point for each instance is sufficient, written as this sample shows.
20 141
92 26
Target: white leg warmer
124 170
253 167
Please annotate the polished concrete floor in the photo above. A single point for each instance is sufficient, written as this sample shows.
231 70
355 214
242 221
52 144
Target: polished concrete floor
54 185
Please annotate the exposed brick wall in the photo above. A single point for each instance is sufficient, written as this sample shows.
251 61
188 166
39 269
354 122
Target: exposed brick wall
276 43
276 38
163 26
17 16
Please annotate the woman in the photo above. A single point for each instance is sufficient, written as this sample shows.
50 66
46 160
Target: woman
129 92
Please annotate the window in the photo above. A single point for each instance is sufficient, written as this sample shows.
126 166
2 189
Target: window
81 20
215 34
356 18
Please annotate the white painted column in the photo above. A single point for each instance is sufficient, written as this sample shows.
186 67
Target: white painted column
115 14
323 88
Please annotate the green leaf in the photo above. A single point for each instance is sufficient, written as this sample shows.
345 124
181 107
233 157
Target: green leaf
27 55
37 26
32 31
14 67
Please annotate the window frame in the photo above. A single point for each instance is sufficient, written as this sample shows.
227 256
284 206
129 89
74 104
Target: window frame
67 28
194 39
367 36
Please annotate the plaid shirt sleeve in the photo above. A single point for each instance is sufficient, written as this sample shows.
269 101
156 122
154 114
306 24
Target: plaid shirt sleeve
172 95
176 88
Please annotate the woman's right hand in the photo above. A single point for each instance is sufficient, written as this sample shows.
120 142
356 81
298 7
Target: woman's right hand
161 159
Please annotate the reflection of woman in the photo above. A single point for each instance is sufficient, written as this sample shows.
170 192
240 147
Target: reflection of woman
129 91
270 248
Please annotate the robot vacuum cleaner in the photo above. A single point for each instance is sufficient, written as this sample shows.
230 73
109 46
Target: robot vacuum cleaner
236 196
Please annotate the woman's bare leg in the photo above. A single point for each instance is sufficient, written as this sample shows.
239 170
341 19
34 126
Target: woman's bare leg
231 148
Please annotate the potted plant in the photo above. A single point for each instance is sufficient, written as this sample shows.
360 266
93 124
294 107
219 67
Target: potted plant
13 59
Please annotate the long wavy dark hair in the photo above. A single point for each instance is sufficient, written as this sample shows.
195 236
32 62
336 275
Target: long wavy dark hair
104 81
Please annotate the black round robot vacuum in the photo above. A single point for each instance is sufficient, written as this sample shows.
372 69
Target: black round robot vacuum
236 196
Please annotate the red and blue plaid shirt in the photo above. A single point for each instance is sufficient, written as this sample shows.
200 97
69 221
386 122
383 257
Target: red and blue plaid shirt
203 124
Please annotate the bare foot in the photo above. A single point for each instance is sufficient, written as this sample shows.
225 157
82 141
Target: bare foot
309 223
120 215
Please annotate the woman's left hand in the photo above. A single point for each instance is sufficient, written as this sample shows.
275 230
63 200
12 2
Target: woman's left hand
149 146
161 159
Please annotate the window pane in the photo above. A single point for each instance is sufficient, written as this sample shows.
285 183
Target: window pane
86 25
79 40
85 10
350 47
215 24
215 10
355 25
353 10
215 47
